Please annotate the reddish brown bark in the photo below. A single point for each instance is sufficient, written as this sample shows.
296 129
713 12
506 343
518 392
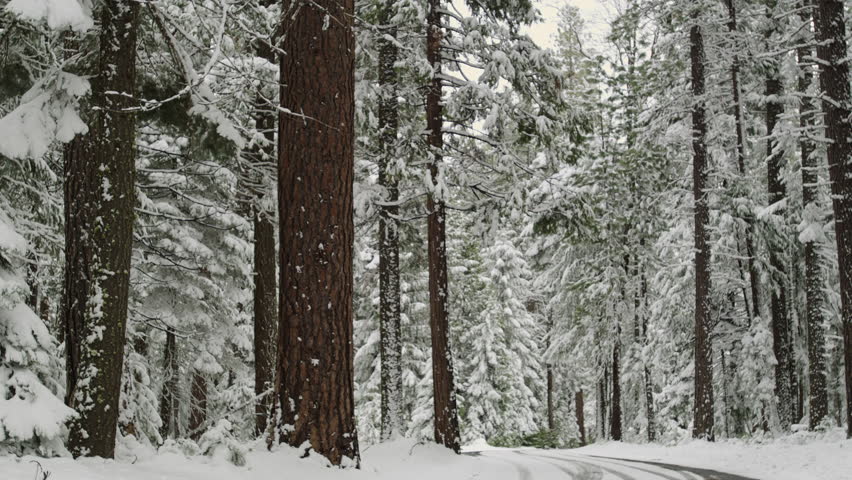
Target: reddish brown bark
446 415
265 294
314 375
703 407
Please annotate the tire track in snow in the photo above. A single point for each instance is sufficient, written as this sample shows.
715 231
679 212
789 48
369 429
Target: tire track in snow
656 473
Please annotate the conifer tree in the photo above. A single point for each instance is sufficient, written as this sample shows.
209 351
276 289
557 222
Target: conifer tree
703 408
99 214
314 377
830 32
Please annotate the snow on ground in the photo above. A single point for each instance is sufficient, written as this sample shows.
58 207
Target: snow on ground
801 456
404 459
796 457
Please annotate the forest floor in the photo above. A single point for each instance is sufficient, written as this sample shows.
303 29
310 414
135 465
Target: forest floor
796 457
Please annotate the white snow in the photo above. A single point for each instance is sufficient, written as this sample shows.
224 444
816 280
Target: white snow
47 113
800 456
400 459
59 14
823 457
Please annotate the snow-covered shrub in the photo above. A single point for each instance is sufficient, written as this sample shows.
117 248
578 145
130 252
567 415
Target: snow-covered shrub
220 442
32 416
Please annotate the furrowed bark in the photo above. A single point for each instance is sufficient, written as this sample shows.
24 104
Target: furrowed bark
703 408
389 299
99 216
814 276
446 411
265 294
314 377
830 28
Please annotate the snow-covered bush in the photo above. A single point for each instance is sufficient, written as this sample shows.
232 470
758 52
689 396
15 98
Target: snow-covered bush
220 442
32 416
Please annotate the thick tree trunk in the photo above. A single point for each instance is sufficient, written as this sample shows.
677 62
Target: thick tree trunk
169 393
389 300
754 276
581 420
198 405
703 408
446 415
615 420
814 280
99 202
265 294
781 345
314 389
837 106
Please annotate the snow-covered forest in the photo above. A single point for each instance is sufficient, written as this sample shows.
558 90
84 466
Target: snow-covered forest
235 226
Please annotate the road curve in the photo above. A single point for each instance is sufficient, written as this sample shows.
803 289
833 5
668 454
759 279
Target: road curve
536 464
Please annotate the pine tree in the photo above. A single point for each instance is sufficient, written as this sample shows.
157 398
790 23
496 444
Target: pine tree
446 415
265 300
389 274
814 276
314 376
830 32
703 408
99 205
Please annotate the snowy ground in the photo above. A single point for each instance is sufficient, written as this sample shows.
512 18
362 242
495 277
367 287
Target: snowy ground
824 458
802 456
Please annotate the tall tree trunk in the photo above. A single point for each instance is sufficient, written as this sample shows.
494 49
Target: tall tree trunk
265 316
33 282
830 29
265 295
725 397
198 405
703 408
446 415
754 276
581 420
389 300
99 202
532 307
781 344
169 393
615 420
551 423
602 403
649 385
314 377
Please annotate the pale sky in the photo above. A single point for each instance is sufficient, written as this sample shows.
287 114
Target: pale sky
593 12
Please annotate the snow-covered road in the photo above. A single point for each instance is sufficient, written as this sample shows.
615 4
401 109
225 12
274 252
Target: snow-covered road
564 465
